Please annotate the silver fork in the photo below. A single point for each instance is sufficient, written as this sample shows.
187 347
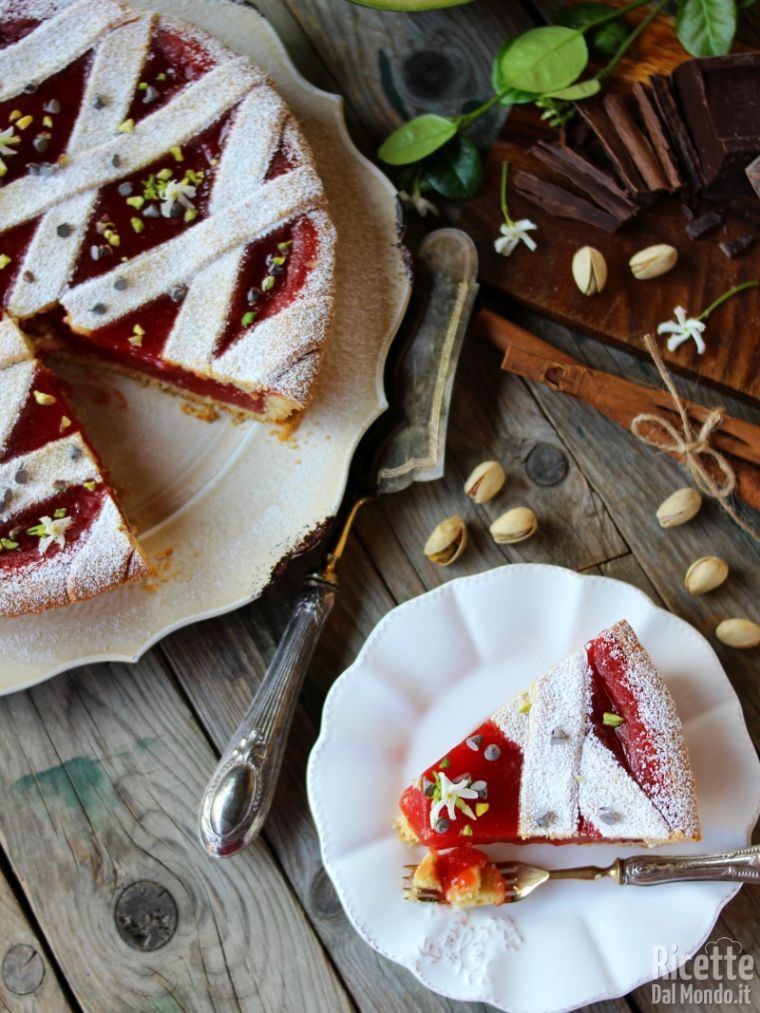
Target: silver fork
741 866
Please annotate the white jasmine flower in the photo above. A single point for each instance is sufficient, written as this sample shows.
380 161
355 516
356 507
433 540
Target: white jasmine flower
421 204
7 138
451 793
514 233
682 329
176 193
52 529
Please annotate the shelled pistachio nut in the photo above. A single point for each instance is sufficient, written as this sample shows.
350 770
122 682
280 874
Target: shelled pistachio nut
447 541
705 574
485 481
589 270
653 261
515 525
679 507
742 633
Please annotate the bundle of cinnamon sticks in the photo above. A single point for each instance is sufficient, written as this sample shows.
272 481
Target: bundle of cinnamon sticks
621 400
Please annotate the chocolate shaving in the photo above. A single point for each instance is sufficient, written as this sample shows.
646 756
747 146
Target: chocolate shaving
659 137
596 117
595 183
563 203
705 223
618 108
736 247
662 92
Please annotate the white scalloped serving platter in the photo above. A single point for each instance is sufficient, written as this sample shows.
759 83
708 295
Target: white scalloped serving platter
431 670
231 499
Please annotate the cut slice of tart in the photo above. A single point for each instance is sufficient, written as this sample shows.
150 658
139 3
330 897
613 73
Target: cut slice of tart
593 751
63 537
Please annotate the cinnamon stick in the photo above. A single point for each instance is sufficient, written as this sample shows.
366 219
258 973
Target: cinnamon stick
621 400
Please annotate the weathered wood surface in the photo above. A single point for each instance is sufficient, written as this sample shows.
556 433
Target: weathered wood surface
108 763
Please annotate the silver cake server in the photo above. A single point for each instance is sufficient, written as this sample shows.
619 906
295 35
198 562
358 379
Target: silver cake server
405 445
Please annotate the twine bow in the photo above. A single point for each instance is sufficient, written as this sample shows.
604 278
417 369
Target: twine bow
692 446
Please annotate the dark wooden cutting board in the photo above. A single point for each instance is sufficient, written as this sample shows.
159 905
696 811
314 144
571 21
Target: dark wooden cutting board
627 308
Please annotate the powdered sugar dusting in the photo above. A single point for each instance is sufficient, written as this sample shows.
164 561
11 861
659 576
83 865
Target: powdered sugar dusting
558 724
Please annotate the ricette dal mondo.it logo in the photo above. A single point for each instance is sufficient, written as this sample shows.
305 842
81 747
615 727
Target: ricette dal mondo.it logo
721 975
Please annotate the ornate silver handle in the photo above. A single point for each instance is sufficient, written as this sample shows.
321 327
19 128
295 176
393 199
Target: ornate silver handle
741 866
238 796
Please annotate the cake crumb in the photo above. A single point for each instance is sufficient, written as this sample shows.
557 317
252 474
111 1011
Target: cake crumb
203 412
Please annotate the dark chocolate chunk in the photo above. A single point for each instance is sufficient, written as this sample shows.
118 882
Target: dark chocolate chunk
664 100
126 189
100 309
596 116
492 752
41 143
473 742
596 184
563 203
64 230
30 88
99 102
29 277
704 224
736 247
121 284
658 136
720 97
619 110
151 211
115 161
150 94
177 293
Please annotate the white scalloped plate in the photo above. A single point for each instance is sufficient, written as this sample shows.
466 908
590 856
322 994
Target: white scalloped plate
230 500
431 670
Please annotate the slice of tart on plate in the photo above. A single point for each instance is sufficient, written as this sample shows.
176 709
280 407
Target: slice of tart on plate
63 537
591 752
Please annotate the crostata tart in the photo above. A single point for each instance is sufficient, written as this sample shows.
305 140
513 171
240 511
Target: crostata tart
593 751
62 535
160 213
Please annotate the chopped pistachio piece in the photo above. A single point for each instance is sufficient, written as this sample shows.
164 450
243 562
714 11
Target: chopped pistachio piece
248 318
164 174
445 763
89 485
524 706
8 543
24 122
190 214
65 422
3 168
60 512
285 246
138 329
466 831
481 808
278 260
15 115
41 398
127 126
612 720
161 76
267 283
136 201
142 86
176 153
4 260
135 340
137 224
113 238
47 121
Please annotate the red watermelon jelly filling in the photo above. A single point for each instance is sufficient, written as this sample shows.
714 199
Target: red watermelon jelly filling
172 63
273 271
45 417
50 527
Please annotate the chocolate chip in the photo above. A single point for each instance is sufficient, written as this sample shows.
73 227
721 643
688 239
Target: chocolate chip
176 211
559 735
47 169
116 161
75 452
544 819
126 189
178 293
28 276
492 752
441 825
474 742
428 787
64 230
253 295
99 102
481 788
7 497
150 211
30 88
150 94
99 308
33 169
735 247
121 284
41 143
53 106
22 476
608 815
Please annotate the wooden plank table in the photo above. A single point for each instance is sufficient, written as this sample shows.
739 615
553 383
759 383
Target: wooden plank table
106 902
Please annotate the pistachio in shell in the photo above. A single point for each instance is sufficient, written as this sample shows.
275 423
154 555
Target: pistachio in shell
705 574
681 506
485 481
516 525
447 541
741 633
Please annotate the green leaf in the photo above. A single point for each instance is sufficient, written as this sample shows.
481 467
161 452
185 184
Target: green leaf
706 27
509 96
456 171
416 139
544 59
605 41
577 91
